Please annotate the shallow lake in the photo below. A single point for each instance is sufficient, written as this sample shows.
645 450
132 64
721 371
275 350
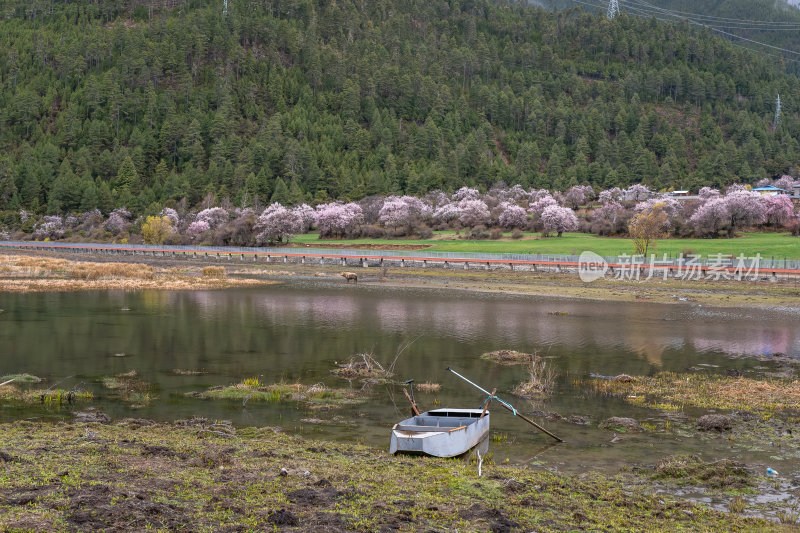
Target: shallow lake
298 331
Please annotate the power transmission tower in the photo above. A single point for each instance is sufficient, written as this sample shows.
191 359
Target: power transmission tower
777 112
613 9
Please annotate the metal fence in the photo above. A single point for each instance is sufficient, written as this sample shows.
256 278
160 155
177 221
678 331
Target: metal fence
709 262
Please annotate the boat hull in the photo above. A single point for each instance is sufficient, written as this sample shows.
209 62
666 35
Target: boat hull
442 433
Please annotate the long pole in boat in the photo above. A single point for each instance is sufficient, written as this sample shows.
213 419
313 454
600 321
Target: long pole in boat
507 405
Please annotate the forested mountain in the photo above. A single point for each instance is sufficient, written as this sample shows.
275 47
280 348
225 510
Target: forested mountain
108 104
767 26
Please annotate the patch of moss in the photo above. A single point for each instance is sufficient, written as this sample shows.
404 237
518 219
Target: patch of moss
691 470
191 476
21 378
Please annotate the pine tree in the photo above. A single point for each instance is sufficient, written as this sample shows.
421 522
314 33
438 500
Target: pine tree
8 189
127 177
281 194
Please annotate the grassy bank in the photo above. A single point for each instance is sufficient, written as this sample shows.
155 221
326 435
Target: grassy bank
778 245
203 476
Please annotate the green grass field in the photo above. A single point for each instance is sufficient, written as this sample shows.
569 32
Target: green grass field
777 245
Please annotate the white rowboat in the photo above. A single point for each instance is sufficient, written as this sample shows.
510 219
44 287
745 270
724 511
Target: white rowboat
442 433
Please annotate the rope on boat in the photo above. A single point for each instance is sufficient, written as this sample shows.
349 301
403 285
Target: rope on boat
491 397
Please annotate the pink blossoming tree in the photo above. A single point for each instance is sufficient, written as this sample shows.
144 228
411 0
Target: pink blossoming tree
557 219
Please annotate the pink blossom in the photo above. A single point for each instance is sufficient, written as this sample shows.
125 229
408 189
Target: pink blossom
515 194
669 205
171 214
306 214
473 213
558 219
610 195
213 216
436 199
512 216
785 182
745 207
118 221
778 209
395 213
736 187
197 227
637 192
578 195
537 207
537 194
707 193
710 218
49 227
336 218
447 213
465 193
277 224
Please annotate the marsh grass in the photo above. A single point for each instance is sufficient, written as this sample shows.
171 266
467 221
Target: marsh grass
669 390
510 357
312 396
15 395
540 383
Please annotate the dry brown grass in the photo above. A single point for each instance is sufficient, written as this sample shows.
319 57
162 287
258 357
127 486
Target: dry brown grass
429 387
22 273
93 271
216 272
31 266
668 390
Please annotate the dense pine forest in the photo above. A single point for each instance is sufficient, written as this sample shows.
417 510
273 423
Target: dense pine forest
144 104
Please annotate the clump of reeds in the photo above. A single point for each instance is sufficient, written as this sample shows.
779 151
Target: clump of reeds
129 388
217 272
253 390
510 357
361 365
542 379
365 366
429 387
187 372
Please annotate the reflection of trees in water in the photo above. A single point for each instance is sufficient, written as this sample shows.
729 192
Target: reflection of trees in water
291 334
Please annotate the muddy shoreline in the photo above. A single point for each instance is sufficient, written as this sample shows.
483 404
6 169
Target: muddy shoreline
771 295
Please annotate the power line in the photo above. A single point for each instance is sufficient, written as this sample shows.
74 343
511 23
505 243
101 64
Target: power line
697 16
613 9
645 13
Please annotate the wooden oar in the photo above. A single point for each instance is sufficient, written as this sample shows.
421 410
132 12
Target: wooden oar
413 405
506 405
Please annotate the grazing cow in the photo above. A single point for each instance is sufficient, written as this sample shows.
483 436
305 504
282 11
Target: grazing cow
350 276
